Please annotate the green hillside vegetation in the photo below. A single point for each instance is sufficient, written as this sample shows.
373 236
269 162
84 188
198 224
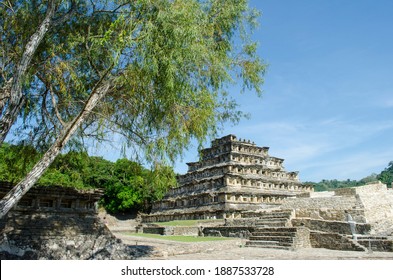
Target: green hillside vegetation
386 177
127 185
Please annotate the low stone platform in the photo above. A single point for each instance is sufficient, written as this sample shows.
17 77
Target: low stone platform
58 223
234 249
276 238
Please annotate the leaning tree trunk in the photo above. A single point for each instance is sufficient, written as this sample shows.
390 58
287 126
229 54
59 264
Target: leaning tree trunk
15 98
16 193
5 94
12 97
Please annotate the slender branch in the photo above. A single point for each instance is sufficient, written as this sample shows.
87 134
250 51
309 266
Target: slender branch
51 90
5 94
88 52
16 100
63 123
17 192
45 111
66 16
8 5
112 11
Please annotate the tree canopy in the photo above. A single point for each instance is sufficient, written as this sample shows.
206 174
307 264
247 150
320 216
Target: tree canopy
385 176
153 71
165 65
127 185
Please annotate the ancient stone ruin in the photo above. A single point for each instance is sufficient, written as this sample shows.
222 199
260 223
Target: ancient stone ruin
249 191
233 176
236 186
57 223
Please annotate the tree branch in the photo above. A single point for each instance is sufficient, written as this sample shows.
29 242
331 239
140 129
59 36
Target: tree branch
55 107
5 94
8 5
16 193
45 111
66 16
16 99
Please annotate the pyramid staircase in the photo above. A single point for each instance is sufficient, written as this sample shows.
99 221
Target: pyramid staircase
273 238
376 243
276 218
273 230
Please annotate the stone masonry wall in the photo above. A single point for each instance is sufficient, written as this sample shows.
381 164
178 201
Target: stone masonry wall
331 226
154 230
326 208
229 231
57 223
302 238
172 230
333 241
62 236
377 201
241 222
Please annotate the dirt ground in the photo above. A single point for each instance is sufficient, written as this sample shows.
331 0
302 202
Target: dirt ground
234 250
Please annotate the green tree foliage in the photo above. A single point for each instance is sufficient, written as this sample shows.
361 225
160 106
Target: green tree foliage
134 187
166 64
69 170
331 185
386 176
16 161
154 71
127 185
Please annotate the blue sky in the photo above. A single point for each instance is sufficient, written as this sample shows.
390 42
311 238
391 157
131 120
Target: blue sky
327 106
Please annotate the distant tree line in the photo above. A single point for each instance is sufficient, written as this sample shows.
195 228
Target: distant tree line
127 185
386 177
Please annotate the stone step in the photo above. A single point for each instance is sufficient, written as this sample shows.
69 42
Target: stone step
269 244
273 237
274 233
130 230
372 237
270 247
288 239
270 224
277 229
273 219
274 215
277 211
381 245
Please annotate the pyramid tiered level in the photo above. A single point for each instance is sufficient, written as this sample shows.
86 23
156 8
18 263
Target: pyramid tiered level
231 177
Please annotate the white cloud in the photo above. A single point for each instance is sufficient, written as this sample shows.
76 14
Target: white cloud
387 103
326 148
352 166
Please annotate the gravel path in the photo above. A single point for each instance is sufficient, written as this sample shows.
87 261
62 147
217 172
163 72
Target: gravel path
234 250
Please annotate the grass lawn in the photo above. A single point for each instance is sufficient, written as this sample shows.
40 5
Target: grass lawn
180 238
188 222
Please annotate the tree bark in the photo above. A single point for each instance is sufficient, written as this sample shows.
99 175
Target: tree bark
16 193
15 99
5 93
